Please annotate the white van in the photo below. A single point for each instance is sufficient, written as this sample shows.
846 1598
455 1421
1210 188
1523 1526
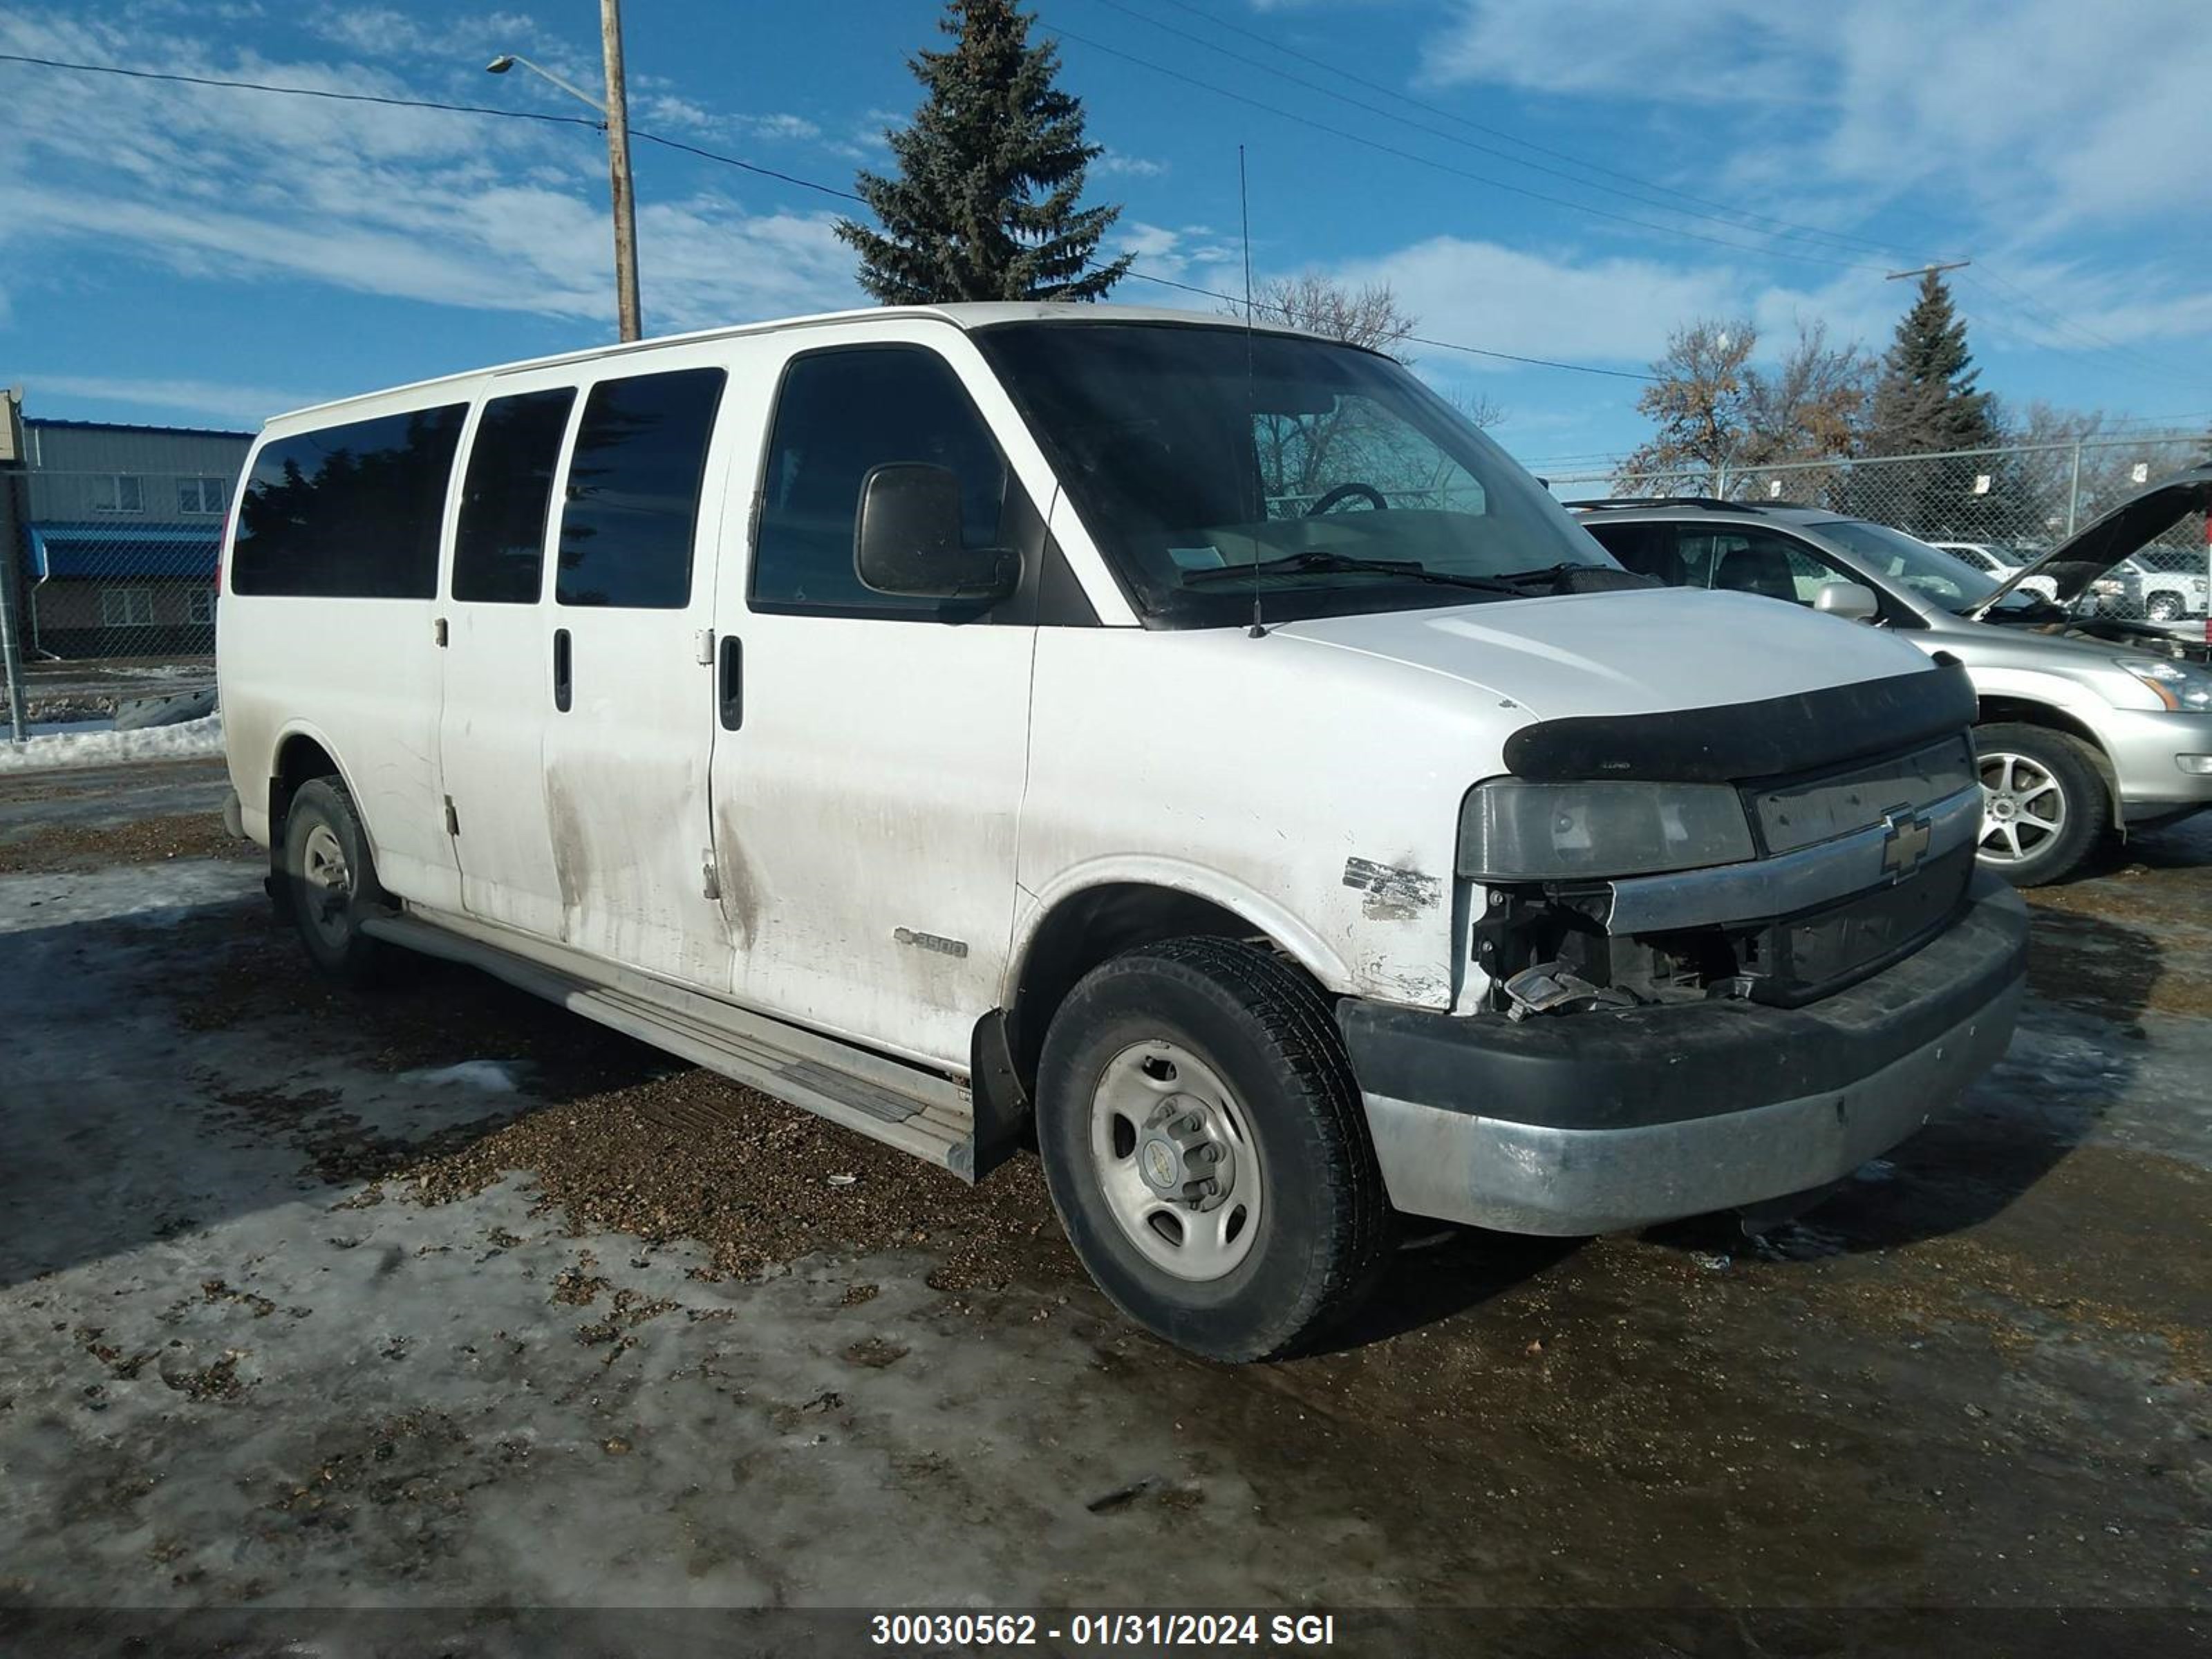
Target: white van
1198 748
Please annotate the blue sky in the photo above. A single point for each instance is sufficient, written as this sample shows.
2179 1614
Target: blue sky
191 255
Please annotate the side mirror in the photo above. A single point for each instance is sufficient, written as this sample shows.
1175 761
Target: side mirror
907 539
1848 600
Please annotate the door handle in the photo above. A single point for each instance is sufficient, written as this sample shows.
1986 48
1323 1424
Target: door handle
730 684
563 689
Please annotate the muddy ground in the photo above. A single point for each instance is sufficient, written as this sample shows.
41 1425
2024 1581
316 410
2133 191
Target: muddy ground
441 1296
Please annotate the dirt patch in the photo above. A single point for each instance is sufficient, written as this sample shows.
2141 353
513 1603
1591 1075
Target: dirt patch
149 840
695 1156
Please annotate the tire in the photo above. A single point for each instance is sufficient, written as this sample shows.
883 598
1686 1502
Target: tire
2163 608
1238 1055
2044 806
332 876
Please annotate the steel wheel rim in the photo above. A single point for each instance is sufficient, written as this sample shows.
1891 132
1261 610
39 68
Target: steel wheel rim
2024 808
1172 1149
330 881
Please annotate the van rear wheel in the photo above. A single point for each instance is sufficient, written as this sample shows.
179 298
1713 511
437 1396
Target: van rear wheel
1206 1150
332 878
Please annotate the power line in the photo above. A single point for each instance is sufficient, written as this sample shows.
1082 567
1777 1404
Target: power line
1735 221
301 92
704 154
1061 32
1510 138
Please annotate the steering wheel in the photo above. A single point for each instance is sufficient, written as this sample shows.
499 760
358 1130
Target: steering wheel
1345 492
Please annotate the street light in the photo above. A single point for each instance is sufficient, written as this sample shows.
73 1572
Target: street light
614 115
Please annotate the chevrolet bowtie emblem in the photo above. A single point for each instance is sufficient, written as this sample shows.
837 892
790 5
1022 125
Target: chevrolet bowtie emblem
1905 844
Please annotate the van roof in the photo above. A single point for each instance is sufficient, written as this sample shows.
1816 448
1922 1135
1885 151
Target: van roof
968 316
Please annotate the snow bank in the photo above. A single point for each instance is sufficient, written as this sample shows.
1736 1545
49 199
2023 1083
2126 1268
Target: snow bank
187 741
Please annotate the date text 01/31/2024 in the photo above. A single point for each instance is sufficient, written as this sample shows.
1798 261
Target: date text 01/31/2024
1105 1630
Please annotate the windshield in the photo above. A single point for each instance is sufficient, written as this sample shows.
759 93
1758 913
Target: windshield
1194 453
1908 563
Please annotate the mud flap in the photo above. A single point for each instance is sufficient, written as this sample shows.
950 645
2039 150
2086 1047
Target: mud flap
1000 1103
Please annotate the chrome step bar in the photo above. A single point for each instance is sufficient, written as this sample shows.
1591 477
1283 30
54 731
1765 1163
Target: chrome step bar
917 1110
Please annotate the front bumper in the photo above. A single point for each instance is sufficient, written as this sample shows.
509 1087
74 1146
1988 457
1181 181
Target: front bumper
2144 748
1595 1122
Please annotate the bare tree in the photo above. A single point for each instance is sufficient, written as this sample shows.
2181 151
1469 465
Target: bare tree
1814 405
1368 316
1701 404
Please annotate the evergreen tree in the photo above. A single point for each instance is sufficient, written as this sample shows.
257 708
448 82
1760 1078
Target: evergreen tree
1926 399
1926 402
983 206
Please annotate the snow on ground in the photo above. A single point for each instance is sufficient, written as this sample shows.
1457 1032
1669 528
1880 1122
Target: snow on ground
496 1075
185 741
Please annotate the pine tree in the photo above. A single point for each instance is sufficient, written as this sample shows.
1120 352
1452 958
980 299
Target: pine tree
1926 402
983 206
1926 397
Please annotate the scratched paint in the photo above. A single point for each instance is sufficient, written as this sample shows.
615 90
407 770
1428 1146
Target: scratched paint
1392 893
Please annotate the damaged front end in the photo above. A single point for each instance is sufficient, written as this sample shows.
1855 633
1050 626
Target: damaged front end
1627 893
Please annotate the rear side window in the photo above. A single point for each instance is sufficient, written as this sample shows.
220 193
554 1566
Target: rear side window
348 512
633 505
841 415
506 497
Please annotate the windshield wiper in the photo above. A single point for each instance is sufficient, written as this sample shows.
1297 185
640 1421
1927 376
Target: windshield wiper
1411 569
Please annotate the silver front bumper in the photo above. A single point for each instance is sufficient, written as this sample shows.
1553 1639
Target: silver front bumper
1532 1178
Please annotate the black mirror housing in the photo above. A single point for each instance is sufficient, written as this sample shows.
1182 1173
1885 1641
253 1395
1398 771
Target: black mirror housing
906 539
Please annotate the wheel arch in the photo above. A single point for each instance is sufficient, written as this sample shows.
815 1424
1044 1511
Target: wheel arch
301 754
1081 922
2025 711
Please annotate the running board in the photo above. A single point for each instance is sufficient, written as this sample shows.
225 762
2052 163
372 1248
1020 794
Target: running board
904 1106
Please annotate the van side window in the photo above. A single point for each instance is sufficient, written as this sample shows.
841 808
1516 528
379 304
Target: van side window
506 497
348 512
632 507
842 413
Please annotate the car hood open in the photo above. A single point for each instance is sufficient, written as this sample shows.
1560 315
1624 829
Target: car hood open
2088 554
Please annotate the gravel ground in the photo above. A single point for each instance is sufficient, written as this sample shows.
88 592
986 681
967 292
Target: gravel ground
441 1297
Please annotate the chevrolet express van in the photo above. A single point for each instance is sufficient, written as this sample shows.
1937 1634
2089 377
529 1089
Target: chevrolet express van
1192 749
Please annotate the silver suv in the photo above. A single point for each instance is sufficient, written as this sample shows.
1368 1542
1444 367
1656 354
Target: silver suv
2088 723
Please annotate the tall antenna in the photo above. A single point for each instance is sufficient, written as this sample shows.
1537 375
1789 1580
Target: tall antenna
1259 629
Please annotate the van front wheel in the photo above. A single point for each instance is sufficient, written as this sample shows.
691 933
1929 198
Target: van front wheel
1206 1149
333 882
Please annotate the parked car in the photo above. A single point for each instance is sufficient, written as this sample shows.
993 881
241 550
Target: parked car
920 715
1998 560
2159 584
2086 723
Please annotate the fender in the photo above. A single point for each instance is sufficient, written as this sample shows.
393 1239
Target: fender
1307 949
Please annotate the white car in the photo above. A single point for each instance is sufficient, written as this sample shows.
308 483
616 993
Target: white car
921 716
2159 585
2000 560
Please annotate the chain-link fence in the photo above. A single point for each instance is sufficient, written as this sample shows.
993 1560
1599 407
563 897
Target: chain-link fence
1996 509
113 589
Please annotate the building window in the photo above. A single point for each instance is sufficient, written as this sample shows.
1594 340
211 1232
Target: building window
200 495
203 606
117 492
127 607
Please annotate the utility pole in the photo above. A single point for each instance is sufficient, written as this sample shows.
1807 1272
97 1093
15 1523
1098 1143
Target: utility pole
626 308
614 114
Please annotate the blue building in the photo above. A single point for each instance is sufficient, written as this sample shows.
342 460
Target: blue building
113 533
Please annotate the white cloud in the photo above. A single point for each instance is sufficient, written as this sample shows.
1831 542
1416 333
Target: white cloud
450 208
210 402
2044 117
1116 164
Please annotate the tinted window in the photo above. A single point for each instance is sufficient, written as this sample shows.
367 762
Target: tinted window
634 490
348 512
506 497
841 415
